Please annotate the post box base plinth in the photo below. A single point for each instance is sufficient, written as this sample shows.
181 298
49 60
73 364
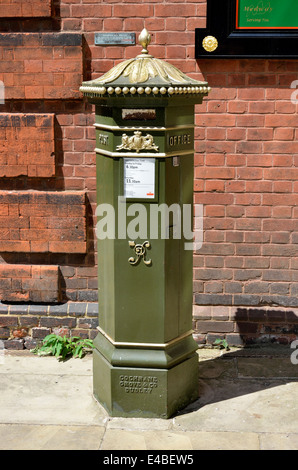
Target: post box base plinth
144 392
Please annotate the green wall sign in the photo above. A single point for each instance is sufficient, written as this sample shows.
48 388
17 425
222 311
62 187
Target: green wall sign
267 14
249 29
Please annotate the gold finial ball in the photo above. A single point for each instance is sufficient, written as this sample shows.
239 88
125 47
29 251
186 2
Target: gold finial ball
210 43
144 40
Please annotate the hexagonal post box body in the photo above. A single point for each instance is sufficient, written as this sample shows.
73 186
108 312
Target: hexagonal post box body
145 361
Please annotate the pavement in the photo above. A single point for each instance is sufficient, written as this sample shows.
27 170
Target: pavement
248 400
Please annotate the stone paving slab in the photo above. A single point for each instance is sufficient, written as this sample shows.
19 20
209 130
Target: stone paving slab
252 407
48 401
245 402
278 441
24 362
41 437
171 440
267 368
44 391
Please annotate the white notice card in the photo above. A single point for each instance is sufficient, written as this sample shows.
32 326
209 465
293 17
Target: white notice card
139 178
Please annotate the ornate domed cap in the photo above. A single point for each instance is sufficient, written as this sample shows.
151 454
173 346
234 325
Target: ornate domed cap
144 74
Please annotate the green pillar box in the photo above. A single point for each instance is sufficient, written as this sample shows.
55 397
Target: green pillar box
145 362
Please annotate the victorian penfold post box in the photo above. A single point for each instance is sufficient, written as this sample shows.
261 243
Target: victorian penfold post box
145 362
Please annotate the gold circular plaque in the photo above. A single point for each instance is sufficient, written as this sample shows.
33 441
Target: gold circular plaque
210 43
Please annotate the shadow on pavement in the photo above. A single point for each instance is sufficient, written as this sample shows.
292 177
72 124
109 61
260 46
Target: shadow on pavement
224 375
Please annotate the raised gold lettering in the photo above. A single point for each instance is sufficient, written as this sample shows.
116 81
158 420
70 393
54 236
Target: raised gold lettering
181 139
138 383
103 139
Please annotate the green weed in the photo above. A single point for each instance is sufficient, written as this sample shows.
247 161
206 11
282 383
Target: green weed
62 347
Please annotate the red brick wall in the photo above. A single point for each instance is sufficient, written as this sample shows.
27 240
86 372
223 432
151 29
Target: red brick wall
24 283
245 162
24 138
42 221
41 65
246 177
25 8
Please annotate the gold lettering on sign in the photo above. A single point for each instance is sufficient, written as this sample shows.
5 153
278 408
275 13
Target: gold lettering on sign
183 139
138 383
260 9
103 139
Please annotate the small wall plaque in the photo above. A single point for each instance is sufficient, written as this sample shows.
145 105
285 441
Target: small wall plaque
113 39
